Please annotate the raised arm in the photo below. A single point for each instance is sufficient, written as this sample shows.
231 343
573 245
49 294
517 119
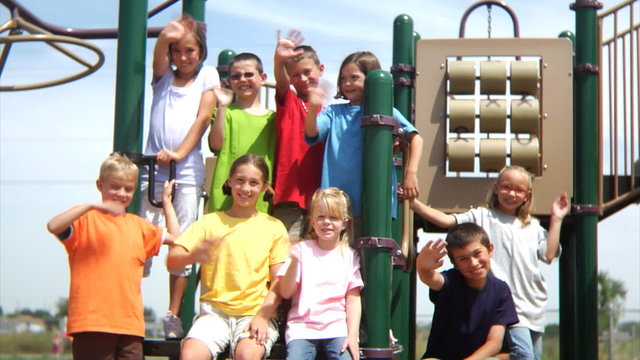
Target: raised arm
432 215
61 222
316 95
492 346
285 50
170 218
428 261
216 134
354 313
287 285
410 182
161 61
207 103
559 209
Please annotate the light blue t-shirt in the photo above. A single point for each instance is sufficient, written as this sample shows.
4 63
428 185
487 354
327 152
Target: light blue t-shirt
339 129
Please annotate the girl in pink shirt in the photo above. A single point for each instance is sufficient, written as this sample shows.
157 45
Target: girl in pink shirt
322 279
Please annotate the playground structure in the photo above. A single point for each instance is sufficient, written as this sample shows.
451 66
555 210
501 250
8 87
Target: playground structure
597 193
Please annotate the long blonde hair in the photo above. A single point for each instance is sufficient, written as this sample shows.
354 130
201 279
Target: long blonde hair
523 213
339 205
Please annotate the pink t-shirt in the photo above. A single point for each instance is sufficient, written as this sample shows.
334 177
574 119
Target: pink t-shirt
297 166
318 308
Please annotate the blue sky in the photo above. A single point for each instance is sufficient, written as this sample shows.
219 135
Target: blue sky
52 140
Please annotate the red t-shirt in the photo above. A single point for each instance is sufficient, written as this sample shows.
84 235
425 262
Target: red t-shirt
298 166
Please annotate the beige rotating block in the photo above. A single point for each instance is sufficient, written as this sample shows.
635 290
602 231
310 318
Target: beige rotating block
462 116
493 154
526 153
493 77
461 154
493 116
525 116
462 77
524 77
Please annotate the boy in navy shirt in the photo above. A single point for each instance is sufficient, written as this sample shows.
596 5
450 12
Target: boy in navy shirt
472 307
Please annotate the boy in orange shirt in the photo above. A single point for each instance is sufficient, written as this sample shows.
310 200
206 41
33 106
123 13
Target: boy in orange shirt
107 249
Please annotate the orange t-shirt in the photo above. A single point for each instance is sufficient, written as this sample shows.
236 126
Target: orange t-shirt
106 258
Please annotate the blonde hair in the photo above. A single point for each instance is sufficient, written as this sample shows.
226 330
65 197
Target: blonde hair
339 205
117 162
523 213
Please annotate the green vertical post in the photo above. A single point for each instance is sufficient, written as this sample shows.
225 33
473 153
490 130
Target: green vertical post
568 270
195 8
402 309
130 83
586 169
224 58
376 219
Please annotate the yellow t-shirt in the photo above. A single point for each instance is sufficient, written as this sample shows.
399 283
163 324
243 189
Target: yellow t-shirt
235 280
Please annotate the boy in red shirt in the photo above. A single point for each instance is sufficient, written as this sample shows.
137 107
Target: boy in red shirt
298 166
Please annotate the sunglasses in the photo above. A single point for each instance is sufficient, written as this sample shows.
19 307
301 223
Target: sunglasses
247 75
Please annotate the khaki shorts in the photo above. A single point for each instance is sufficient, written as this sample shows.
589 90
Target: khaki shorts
216 330
293 217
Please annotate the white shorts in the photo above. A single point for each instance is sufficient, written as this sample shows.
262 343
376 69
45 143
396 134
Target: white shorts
186 202
216 330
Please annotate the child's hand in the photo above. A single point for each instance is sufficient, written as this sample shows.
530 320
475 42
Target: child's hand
285 49
167 190
201 253
173 32
560 206
430 257
164 156
316 95
258 329
294 252
410 186
111 207
224 96
352 345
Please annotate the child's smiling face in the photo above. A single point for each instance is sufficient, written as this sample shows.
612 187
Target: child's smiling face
245 79
185 54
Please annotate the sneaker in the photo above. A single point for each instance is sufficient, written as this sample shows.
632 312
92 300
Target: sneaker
172 326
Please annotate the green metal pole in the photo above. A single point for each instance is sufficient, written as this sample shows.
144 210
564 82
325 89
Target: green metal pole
568 269
376 212
195 8
224 58
130 69
586 170
402 311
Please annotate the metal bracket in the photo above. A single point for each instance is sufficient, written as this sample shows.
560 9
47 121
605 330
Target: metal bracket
398 161
408 68
586 4
397 257
380 353
223 68
403 81
377 120
588 68
586 209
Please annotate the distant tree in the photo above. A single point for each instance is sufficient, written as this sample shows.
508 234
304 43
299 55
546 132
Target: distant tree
611 296
1 311
149 314
62 308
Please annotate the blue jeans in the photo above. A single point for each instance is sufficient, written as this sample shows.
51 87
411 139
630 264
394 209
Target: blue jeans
524 344
307 349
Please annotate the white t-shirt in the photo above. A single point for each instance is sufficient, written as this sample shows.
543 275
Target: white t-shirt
517 252
318 308
173 112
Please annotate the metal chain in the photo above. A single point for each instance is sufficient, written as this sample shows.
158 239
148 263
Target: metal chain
489 21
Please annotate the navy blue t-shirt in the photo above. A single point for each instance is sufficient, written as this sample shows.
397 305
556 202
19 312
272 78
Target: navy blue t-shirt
463 315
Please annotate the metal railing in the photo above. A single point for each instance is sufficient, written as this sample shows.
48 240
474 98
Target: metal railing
619 97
